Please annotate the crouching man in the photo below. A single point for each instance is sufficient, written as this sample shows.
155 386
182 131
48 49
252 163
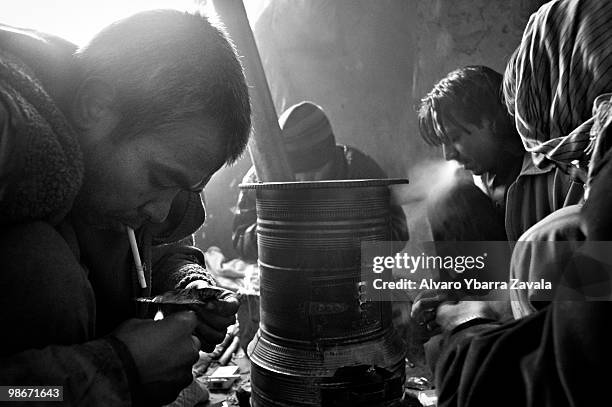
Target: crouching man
122 133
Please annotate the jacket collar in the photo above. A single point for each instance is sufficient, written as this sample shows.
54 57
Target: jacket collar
49 57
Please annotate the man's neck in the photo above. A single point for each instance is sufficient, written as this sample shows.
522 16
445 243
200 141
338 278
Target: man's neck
510 164
507 174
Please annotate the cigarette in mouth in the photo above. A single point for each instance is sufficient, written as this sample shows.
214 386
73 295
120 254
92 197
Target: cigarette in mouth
137 262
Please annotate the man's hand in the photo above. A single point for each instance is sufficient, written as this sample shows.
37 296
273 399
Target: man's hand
424 311
450 315
437 312
164 352
215 316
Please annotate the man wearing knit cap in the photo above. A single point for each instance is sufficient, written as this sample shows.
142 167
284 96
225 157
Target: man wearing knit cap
309 141
313 155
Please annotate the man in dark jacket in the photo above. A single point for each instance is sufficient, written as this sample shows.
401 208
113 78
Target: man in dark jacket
313 156
123 133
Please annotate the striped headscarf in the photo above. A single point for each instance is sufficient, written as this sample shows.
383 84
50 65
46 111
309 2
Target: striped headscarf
562 64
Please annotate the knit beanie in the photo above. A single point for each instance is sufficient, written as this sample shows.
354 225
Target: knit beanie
308 137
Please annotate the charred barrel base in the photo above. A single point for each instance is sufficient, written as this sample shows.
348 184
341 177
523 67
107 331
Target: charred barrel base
320 343
364 374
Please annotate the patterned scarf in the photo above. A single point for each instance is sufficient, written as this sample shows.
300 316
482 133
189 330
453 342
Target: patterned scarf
562 64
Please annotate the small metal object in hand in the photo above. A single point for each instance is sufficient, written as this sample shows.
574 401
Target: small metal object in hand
187 296
180 300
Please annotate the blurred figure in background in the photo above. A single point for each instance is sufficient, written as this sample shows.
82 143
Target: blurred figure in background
313 155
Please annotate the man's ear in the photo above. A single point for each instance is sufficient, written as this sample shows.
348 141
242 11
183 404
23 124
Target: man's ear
94 103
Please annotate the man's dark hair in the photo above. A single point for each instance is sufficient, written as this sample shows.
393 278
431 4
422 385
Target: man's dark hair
168 66
471 94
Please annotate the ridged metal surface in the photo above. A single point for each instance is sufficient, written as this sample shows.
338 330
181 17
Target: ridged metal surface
322 359
334 184
319 343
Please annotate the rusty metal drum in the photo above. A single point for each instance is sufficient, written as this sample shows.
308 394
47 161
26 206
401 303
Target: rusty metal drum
319 343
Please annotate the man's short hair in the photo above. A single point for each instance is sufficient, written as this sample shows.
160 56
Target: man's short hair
168 66
471 94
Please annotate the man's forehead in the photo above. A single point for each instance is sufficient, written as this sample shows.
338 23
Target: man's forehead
192 147
456 123
194 135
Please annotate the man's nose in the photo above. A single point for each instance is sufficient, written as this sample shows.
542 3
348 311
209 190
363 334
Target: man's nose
157 211
450 153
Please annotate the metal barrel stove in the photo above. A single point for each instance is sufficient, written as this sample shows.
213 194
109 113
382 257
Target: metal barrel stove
319 342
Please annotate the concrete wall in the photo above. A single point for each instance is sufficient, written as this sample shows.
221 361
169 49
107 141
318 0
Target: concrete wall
368 63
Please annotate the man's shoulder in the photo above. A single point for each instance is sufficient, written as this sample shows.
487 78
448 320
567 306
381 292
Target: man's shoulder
40 239
360 164
44 169
559 225
352 151
49 57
